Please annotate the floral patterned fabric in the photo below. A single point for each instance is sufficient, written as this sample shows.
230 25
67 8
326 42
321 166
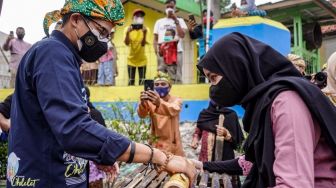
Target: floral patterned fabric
95 173
109 10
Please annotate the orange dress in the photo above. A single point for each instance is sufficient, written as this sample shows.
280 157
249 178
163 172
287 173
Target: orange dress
165 124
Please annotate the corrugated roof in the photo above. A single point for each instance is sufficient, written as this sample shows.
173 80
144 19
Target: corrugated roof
329 28
321 11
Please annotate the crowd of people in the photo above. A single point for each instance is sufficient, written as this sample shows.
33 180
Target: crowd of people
289 119
168 32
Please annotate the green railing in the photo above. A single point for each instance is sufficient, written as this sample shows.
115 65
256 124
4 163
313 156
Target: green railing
312 59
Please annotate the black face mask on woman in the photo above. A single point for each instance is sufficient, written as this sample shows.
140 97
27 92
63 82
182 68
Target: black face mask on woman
224 94
90 47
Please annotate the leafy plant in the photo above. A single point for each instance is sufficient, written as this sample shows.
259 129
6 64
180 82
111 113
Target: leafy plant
122 117
3 159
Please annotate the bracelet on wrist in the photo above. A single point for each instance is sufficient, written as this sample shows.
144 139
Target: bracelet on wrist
131 157
160 168
150 161
149 164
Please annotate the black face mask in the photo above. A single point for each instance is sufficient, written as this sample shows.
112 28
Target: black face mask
20 37
92 49
223 94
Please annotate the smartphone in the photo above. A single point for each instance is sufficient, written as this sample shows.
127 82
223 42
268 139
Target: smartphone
191 17
137 26
149 85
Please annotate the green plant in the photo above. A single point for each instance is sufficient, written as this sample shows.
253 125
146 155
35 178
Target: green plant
3 159
123 119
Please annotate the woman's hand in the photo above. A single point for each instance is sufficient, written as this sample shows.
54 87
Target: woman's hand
182 165
194 142
221 131
198 164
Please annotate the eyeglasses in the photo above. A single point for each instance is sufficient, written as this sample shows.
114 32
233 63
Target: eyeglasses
103 32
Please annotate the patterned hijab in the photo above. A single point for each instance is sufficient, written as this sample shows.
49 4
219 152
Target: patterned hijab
109 10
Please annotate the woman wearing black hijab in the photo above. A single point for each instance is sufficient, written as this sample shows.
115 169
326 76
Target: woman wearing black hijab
291 124
207 130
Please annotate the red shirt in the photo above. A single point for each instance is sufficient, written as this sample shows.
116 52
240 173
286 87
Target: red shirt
169 52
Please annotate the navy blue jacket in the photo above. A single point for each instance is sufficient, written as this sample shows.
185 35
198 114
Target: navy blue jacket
52 135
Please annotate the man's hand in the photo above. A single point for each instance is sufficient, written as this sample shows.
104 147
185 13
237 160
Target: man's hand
191 24
111 172
4 123
130 28
10 37
154 97
221 131
172 15
143 97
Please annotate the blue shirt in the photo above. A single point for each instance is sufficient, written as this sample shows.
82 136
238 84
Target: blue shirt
52 135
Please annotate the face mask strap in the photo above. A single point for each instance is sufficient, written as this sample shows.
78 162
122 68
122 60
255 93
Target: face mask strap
77 34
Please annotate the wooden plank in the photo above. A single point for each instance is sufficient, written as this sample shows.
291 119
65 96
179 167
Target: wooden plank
219 140
215 181
124 181
137 179
149 178
158 180
204 180
164 182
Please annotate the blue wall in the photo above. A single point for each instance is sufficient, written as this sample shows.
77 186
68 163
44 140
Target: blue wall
279 39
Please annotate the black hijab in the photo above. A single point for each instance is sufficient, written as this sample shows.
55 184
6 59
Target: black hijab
260 73
208 119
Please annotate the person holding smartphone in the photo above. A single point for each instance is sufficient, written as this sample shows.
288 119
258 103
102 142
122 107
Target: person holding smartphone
17 47
171 21
52 135
164 111
135 39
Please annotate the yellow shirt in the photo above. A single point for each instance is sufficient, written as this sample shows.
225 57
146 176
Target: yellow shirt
136 56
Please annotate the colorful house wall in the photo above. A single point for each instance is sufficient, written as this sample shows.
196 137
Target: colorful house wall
265 30
150 19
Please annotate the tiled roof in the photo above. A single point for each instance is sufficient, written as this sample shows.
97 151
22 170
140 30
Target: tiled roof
329 28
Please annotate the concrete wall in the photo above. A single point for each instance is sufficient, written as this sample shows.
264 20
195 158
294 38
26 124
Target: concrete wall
4 74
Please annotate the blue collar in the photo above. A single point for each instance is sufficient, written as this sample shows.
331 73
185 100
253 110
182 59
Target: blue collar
58 35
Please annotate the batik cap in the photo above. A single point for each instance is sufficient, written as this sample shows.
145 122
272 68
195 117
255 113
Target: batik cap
109 10
161 76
